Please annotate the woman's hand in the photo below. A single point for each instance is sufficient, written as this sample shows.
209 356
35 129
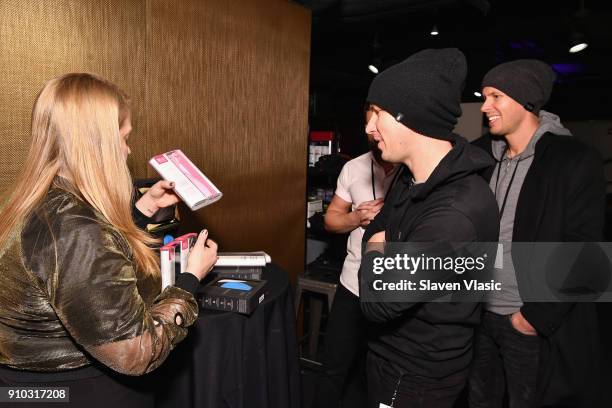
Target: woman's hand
203 256
160 195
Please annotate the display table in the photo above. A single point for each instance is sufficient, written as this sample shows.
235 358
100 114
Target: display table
237 361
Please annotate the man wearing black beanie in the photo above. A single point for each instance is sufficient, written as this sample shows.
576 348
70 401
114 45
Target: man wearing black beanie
549 188
421 352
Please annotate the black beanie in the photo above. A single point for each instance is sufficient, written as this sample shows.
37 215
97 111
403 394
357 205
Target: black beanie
527 81
424 91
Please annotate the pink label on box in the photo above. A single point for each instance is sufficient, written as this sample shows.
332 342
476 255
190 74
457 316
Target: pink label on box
188 169
169 248
160 159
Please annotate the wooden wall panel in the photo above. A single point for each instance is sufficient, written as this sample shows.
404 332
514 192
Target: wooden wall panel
224 80
41 39
227 83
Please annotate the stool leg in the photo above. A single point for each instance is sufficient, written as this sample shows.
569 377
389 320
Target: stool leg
330 299
316 309
298 298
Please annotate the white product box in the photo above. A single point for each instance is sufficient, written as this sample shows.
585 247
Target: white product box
258 258
191 185
167 254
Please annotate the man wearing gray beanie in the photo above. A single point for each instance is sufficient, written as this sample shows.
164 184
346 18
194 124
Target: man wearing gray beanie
550 188
421 351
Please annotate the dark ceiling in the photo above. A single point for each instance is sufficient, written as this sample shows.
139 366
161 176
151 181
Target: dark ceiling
348 34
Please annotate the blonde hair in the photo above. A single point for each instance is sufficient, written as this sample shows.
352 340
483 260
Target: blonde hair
75 133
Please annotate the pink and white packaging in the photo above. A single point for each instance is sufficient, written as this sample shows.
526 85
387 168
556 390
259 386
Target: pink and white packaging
191 185
167 254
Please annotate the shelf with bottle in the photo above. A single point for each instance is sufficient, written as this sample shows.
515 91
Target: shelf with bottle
320 143
318 200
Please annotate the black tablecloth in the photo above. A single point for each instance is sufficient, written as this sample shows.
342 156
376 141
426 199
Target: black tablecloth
232 360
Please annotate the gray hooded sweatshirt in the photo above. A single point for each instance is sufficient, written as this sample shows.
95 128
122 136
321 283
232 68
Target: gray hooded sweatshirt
507 179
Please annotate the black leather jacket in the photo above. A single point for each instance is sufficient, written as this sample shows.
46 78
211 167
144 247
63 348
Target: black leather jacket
70 293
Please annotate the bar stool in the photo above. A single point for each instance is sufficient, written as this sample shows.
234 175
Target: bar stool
316 280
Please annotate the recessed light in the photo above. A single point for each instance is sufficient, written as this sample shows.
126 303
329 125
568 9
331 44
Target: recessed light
578 47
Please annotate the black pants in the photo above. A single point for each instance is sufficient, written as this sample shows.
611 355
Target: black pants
388 386
88 388
345 345
504 360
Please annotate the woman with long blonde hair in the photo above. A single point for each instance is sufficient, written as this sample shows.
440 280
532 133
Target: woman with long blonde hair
80 301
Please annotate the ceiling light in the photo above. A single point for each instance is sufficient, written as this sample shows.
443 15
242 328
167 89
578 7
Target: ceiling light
376 65
376 60
478 94
578 47
579 23
434 30
578 42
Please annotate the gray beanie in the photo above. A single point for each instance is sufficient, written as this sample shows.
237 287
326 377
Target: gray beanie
527 81
423 92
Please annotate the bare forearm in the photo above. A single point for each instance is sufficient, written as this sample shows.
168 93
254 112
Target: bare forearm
341 223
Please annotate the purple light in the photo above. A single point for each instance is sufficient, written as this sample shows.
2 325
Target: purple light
567 68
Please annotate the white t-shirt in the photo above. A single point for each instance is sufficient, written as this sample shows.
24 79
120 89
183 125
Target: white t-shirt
355 186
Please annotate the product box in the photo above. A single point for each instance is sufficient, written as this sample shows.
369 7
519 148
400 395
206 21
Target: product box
258 258
184 244
232 295
191 185
167 264
238 272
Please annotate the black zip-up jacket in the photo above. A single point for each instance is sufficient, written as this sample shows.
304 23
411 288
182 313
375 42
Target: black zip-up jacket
454 205
563 200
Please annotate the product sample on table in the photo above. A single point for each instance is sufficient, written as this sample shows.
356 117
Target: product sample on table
258 258
232 295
